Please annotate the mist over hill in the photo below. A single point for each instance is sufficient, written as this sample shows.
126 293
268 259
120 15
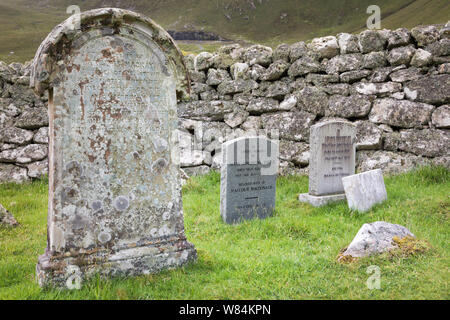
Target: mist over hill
25 23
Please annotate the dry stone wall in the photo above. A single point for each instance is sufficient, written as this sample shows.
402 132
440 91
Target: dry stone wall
393 84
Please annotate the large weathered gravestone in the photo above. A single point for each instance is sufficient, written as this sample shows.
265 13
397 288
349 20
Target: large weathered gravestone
364 190
115 204
332 157
248 178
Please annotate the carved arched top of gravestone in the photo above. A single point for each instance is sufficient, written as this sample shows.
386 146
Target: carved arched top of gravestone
49 61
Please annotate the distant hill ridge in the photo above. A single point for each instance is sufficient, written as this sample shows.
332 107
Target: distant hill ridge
25 23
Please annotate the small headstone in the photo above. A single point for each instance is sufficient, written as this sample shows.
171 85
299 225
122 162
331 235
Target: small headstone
248 178
374 238
364 190
115 204
332 157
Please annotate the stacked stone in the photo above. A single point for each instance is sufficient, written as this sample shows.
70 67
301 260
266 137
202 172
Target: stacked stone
23 126
395 85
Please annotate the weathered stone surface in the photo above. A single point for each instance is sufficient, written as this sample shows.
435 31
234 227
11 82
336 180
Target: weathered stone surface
404 75
321 79
444 68
258 54
197 76
401 113
381 89
203 61
434 89
261 105
439 48
426 142
318 201
277 90
348 43
374 60
281 52
15 135
425 35
227 55
368 136
441 117
375 238
295 152
12 173
354 106
364 190
217 76
371 40
332 156
421 58
289 102
312 99
6 218
389 162
33 118
114 184
275 71
236 86
297 50
240 70
342 89
292 125
248 179
355 75
38 169
237 117
326 47
10 109
398 38
401 55
205 110
346 62
252 123
257 71
26 154
303 66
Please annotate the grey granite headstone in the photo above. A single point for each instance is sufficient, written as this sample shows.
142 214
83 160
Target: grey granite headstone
115 204
364 190
332 157
248 178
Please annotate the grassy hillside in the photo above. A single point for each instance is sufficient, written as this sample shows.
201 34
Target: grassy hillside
291 255
26 22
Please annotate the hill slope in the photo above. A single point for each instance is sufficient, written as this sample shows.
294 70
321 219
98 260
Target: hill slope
26 22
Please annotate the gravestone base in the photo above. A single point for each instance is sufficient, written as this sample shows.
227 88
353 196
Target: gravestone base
318 201
71 269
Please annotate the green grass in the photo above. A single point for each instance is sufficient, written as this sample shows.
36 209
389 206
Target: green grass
25 23
291 255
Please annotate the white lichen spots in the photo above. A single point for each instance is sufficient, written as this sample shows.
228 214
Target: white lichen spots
69 210
57 240
159 165
96 205
184 255
104 237
164 231
121 203
160 144
154 232
166 216
410 94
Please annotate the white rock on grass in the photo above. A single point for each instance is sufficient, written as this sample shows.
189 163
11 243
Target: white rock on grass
374 238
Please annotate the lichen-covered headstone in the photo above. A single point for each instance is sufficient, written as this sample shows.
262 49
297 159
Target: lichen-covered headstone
332 157
248 178
115 204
